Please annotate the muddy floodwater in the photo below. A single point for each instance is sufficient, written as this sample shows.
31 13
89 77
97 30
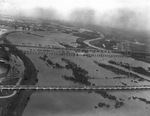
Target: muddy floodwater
81 104
64 70
96 103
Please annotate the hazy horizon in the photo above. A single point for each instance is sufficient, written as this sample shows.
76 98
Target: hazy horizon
129 14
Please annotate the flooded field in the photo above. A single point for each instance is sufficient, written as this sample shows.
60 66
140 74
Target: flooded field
88 104
44 38
56 70
74 58
70 70
52 68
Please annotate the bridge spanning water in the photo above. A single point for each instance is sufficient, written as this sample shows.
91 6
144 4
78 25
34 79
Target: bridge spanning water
74 54
73 88
75 49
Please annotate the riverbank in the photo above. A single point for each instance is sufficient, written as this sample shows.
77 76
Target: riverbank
15 106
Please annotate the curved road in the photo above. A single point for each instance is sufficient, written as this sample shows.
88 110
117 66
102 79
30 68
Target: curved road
87 42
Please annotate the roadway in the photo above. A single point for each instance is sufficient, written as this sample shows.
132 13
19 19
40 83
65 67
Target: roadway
87 42
73 88
74 54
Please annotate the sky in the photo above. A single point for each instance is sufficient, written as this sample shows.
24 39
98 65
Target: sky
65 6
112 12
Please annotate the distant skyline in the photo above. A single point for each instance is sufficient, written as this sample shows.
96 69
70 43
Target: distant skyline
133 13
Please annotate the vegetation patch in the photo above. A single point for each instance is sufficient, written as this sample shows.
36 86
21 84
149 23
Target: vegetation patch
87 35
140 99
139 70
66 45
102 105
118 102
50 63
80 75
120 71
103 43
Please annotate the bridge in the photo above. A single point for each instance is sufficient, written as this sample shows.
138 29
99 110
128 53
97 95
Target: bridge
73 54
68 51
73 88
74 49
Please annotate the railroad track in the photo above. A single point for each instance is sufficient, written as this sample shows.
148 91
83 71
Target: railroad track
72 88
